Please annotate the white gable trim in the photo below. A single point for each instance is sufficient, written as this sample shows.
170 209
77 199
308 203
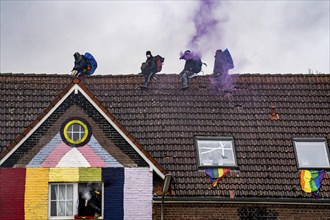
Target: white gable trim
36 126
76 88
152 166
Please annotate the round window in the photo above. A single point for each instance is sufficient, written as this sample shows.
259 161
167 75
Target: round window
76 132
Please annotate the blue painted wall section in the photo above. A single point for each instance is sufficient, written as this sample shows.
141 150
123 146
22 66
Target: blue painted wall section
113 179
103 154
45 151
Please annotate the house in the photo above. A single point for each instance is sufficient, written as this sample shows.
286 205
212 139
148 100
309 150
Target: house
104 148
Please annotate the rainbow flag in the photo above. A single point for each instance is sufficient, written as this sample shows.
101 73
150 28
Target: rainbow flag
216 174
311 180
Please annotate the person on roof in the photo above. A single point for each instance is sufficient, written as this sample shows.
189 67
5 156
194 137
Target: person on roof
150 67
192 67
84 65
222 62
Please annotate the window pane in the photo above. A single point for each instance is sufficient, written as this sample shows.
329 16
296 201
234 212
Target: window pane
216 153
69 192
81 134
75 136
62 200
61 208
76 132
61 192
53 194
76 127
69 208
53 208
312 154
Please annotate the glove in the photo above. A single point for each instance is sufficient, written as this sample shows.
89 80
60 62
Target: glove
74 72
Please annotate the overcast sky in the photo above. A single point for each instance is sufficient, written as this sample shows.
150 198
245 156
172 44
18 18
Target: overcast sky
262 36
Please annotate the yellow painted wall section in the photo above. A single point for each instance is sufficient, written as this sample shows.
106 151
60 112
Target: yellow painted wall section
90 174
36 193
63 175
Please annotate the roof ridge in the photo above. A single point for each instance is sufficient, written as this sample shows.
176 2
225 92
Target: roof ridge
160 74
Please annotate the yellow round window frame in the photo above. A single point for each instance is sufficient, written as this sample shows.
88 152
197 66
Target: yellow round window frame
65 132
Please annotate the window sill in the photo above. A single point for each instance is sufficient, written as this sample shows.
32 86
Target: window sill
85 217
75 218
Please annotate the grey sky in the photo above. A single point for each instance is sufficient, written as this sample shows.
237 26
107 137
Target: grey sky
262 36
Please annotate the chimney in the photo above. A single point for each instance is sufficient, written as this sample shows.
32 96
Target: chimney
274 115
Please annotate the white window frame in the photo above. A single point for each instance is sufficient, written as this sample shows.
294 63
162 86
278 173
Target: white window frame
298 153
71 132
75 200
221 147
74 196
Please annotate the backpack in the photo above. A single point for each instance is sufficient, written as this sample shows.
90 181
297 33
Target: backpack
92 63
228 59
159 63
197 65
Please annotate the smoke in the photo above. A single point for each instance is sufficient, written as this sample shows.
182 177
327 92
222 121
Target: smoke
187 55
206 29
86 194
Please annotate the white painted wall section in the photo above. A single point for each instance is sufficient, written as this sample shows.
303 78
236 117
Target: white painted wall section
138 194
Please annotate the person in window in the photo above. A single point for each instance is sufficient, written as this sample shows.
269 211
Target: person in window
148 69
90 200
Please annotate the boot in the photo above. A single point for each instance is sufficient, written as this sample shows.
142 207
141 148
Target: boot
144 86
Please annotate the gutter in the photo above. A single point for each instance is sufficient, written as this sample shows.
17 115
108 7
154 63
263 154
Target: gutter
219 200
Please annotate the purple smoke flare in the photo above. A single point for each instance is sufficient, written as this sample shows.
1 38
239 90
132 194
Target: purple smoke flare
187 55
204 22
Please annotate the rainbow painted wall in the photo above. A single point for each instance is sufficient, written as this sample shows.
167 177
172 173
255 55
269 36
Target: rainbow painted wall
24 191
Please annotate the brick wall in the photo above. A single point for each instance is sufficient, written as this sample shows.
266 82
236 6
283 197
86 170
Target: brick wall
22 156
113 179
64 175
90 174
240 211
12 186
24 192
36 193
138 194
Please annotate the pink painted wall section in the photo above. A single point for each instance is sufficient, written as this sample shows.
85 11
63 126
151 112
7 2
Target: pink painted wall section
58 154
12 187
93 159
73 158
55 156
138 194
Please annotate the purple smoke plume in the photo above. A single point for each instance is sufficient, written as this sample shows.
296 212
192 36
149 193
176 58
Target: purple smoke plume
205 24
187 55
207 38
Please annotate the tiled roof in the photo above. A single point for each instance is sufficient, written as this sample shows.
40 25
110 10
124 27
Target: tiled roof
164 119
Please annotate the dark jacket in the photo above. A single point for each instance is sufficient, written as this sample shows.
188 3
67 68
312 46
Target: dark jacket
81 65
149 66
189 65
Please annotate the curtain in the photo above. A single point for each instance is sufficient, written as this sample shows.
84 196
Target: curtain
62 204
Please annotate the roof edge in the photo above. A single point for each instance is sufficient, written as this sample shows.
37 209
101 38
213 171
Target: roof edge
222 200
122 130
75 86
36 123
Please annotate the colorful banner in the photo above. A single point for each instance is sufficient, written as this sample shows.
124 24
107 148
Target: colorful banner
216 174
311 180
